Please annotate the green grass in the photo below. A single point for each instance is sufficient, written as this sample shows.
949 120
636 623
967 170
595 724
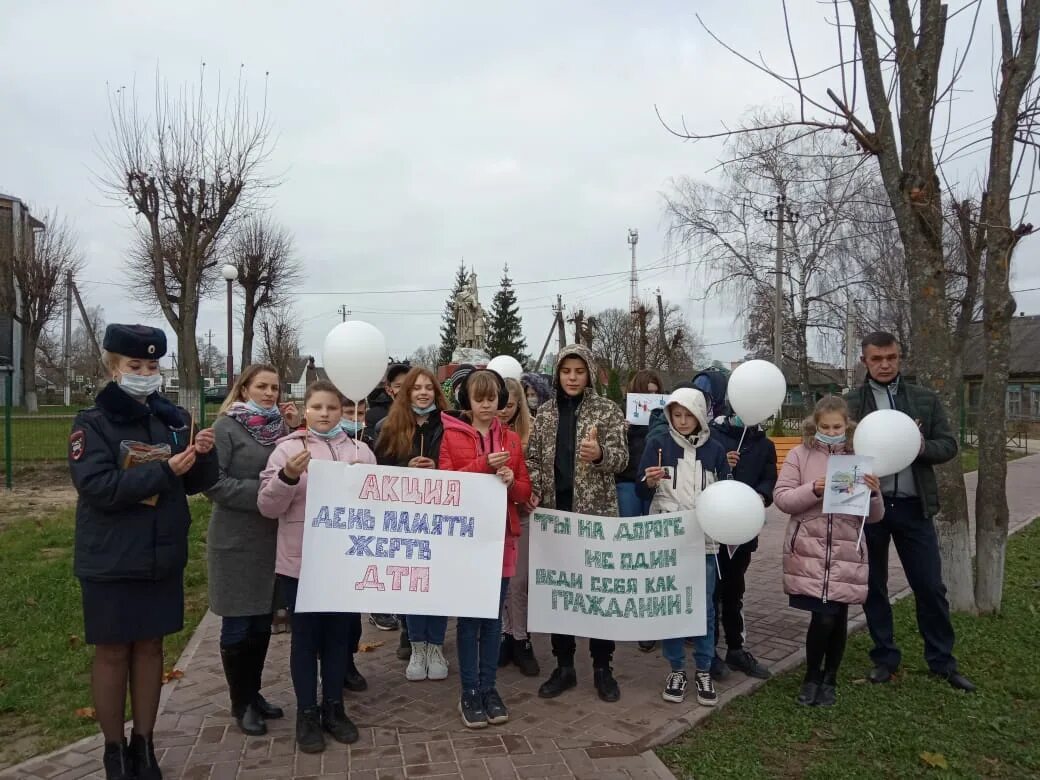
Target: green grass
893 731
970 458
44 665
39 438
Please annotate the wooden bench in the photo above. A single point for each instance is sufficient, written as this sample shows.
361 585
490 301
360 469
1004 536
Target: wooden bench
784 444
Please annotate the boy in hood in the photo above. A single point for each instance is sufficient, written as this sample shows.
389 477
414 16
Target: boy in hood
689 461
576 447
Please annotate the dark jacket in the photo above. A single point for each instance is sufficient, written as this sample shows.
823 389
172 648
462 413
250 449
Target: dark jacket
117 536
757 465
427 439
940 443
379 402
636 437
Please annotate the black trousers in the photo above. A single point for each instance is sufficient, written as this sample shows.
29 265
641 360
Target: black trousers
564 647
729 595
918 548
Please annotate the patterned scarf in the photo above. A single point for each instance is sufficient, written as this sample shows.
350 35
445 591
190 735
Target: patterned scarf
266 429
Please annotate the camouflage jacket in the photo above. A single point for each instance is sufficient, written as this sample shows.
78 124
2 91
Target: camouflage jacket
594 489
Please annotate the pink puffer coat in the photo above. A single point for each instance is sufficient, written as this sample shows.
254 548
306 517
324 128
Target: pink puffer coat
820 555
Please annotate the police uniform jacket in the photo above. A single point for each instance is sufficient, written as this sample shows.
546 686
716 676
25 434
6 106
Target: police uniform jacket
119 534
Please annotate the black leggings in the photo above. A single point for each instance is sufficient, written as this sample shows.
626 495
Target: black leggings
825 645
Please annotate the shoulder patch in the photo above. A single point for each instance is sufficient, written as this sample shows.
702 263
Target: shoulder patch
77 444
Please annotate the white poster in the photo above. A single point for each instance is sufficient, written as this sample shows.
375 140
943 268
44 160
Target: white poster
845 492
638 407
626 579
401 541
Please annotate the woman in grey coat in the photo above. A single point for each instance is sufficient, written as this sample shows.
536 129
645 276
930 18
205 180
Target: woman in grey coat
241 542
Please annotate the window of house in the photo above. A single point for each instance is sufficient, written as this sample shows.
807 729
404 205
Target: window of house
1034 402
974 394
1014 401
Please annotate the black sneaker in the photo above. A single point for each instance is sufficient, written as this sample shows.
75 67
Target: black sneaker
505 651
675 688
142 753
335 721
309 738
743 661
706 695
523 657
606 685
495 708
807 695
719 670
826 695
353 680
471 707
562 679
268 710
647 647
119 765
384 622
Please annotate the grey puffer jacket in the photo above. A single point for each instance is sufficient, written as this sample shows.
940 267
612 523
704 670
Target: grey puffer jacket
241 543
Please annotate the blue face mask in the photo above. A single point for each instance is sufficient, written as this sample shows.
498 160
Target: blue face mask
736 421
330 434
829 440
422 412
352 427
263 411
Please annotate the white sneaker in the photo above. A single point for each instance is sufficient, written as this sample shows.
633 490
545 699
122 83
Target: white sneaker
417 664
437 664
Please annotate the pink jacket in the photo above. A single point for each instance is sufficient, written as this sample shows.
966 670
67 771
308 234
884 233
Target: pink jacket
820 555
279 499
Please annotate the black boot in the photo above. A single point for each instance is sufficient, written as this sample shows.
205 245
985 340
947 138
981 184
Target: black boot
606 685
404 649
142 752
352 678
241 680
335 721
827 695
523 657
119 764
505 651
309 738
562 679
258 657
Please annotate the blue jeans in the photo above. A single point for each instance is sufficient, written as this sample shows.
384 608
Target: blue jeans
427 628
237 629
323 636
479 640
703 646
629 502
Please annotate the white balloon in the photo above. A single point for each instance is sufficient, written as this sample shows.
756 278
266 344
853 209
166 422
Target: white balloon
730 512
506 366
891 438
355 358
756 390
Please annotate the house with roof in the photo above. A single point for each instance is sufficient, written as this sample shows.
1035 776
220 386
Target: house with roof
1022 397
17 233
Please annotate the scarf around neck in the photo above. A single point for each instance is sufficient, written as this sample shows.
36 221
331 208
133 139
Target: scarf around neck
266 430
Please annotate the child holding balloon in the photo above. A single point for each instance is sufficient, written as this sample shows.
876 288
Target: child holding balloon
677 465
825 566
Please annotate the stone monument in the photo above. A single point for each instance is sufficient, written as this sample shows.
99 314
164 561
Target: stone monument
470 325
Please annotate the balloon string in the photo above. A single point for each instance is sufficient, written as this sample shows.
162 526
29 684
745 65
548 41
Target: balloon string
357 435
718 568
741 443
862 526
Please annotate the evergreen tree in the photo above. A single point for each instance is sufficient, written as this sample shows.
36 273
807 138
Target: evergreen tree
449 339
505 331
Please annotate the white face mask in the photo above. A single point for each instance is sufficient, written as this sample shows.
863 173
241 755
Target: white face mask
140 386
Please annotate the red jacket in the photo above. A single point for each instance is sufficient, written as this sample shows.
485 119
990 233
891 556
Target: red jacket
463 448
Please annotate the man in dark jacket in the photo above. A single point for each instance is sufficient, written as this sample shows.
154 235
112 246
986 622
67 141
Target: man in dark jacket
752 456
911 501
380 399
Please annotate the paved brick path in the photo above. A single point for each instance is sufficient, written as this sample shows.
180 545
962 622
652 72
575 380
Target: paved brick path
413 729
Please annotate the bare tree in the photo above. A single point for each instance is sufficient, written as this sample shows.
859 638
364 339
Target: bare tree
267 272
212 361
896 61
279 339
616 341
41 271
187 171
428 357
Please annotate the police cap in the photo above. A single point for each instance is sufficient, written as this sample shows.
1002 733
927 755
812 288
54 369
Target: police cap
135 341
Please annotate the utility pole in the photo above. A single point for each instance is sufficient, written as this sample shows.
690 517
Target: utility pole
88 327
344 312
780 216
660 331
537 367
209 353
579 328
561 332
68 338
633 239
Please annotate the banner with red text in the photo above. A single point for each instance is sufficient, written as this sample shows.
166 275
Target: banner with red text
401 541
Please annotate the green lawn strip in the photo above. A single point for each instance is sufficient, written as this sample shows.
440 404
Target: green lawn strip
895 730
44 664
970 458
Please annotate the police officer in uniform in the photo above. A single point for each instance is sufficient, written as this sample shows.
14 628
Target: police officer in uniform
134 461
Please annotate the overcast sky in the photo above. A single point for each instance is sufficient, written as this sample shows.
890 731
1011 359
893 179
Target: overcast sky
411 135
